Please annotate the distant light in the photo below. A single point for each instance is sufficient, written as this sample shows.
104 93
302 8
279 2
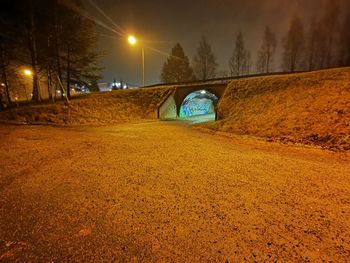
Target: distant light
203 92
28 72
132 40
16 98
3 85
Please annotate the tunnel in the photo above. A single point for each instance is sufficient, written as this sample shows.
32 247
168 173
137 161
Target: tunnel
199 106
194 103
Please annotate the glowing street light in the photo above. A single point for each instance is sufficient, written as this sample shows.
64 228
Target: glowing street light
28 72
132 41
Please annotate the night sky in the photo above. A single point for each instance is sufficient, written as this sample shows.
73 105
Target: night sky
160 24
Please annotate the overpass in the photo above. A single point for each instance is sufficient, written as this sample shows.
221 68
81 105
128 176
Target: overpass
170 108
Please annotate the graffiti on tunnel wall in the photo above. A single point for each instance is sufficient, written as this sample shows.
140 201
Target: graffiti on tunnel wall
198 103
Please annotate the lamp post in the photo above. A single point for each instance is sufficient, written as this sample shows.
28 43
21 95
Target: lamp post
27 73
132 41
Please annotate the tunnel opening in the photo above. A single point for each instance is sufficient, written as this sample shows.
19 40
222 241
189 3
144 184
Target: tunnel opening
199 106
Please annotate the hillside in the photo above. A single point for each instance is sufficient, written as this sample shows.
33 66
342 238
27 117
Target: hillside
94 109
308 108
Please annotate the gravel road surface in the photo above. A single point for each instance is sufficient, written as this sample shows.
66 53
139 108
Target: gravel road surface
165 192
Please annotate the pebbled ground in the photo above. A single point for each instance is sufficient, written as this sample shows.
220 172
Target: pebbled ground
163 192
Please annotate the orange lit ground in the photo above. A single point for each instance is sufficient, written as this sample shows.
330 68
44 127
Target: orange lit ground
155 191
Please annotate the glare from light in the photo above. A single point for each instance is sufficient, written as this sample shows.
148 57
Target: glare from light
132 40
28 72
203 92
3 85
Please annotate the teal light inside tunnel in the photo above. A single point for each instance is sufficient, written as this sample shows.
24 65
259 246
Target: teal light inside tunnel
198 103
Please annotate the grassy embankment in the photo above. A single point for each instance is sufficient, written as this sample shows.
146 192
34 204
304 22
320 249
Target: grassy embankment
309 108
94 109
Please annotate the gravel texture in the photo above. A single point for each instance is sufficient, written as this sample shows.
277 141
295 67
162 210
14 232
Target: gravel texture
163 192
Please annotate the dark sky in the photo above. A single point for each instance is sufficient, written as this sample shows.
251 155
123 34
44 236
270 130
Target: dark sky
161 24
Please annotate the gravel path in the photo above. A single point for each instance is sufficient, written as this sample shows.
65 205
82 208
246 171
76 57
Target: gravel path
163 192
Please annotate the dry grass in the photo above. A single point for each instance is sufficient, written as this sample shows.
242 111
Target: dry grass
94 109
309 108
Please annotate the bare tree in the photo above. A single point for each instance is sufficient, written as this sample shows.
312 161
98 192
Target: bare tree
240 60
313 44
32 47
344 43
266 52
204 62
4 65
329 23
293 44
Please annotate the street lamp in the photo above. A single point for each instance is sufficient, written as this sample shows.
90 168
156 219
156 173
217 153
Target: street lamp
28 72
132 41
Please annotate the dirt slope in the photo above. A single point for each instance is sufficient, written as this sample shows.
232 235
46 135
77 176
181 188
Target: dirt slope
309 108
94 109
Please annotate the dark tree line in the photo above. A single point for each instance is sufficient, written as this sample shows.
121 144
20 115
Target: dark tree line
53 39
239 62
323 43
178 68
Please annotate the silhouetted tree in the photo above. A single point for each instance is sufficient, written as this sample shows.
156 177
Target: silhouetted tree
78 46
344 43
54 38
293 44
240 60
5 53
313 46
266 52
12 42
30 22
204 62
330 24
177 67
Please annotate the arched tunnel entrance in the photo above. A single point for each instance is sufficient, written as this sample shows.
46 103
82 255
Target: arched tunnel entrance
195 103
199 106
